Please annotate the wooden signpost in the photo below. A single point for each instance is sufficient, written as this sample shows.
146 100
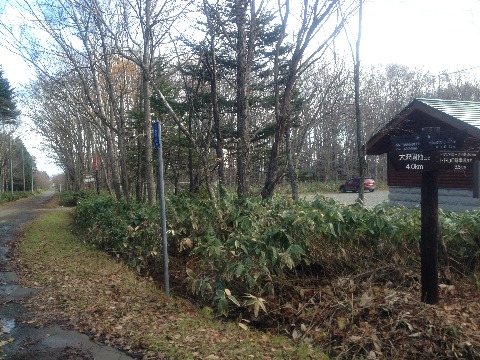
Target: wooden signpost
430 151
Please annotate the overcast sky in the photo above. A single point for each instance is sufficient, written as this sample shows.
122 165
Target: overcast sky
434 35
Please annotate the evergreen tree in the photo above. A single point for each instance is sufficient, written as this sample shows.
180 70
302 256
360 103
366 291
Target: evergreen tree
8 107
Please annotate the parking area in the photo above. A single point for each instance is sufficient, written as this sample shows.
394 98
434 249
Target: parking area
371 198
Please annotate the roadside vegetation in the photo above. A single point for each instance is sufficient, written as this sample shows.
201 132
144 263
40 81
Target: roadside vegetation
343 279
13 196
102 297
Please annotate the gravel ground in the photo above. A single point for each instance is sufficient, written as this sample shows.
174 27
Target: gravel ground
371 198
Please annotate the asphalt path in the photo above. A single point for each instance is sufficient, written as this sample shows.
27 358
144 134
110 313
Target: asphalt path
19 340
371 198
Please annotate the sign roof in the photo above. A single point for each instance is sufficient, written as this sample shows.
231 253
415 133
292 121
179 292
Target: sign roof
420 113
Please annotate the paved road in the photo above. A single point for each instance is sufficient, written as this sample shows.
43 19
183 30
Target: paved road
371 199
18 340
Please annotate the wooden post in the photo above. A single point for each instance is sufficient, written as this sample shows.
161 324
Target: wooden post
95 165
476 179
429 237
430 228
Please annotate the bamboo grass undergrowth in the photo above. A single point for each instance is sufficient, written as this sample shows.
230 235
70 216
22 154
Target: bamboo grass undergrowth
101 296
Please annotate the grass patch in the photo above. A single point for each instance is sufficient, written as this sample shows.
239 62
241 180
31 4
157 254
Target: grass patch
103 298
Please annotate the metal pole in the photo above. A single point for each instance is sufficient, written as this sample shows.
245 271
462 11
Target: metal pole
31 169
11 164
162 209
23 170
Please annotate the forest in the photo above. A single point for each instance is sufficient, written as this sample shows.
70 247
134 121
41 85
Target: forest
18 171
249 94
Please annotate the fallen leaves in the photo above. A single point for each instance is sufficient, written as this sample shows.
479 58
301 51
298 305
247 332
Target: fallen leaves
6 341
348 317
368 319
101 297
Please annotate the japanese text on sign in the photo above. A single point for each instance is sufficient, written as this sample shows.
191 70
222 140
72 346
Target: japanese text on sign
408 146
412 160
448 160
420 142
413 157
458 160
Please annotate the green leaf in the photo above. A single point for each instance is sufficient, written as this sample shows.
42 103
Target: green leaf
332 229
296 250
223 306
240 270
190 273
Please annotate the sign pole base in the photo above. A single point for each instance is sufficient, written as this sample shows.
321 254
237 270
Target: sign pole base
429 237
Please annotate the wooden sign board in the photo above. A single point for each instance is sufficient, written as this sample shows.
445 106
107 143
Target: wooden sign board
87 178
428 141
436 160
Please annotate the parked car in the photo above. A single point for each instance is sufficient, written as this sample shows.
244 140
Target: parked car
354 185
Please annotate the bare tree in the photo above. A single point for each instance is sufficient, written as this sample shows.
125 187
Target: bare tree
322 128
76 43
358 118
211 14
154 19
316 17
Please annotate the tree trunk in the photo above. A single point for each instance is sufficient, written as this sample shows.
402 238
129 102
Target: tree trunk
272 177
243 143
123 151
146 63
358 118
272 168
292 174
216 120
212 67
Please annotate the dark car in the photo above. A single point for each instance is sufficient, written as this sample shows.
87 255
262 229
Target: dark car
354 185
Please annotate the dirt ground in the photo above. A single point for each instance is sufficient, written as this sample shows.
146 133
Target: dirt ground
18 338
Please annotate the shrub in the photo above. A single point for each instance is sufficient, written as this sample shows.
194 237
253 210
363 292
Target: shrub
9 196
71 198
125 229
233 248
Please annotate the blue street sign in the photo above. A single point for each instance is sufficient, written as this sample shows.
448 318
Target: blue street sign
156 136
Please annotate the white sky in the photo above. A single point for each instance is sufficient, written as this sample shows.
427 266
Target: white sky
430 35
433 35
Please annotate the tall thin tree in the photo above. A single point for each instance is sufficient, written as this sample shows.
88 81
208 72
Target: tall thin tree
358 117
